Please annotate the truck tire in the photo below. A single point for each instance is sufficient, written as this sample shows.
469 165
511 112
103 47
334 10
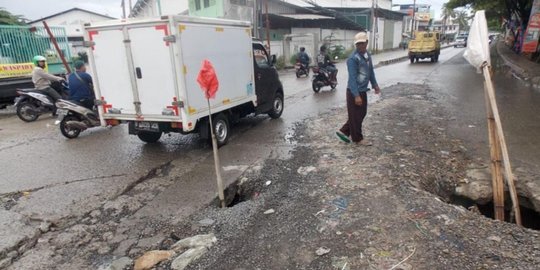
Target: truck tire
148 136
277 106
221 129
412 59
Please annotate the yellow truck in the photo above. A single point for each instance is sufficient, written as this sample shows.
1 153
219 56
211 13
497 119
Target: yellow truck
425 45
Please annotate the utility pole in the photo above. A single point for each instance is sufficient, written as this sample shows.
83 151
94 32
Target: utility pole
123 5
267 26
413 19
256 18
373 24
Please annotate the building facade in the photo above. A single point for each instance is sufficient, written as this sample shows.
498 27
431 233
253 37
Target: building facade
448 28
295 23
155 8
73 20
423 17
242 10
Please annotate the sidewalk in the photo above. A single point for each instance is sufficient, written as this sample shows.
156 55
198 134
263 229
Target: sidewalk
521 66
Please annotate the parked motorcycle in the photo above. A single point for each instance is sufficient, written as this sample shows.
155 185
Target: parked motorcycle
31 103
321 78
301 70
74 118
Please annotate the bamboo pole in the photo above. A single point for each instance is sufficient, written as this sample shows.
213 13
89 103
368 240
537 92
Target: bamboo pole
502 142
216 159
495 164
60 54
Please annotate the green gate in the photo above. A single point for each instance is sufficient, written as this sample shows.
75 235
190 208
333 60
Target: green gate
19 44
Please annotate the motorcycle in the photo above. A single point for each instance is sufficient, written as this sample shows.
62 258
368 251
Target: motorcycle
301 69
31 103
321 78
74 118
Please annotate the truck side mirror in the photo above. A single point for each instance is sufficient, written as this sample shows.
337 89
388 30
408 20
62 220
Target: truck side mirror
273 59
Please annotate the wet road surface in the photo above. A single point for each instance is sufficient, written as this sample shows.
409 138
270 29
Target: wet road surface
101 163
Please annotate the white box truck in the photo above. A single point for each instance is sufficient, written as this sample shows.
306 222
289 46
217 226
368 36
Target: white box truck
145 73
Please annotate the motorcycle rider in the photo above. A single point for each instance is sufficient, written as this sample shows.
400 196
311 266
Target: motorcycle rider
80 86
324 61
303 58
42 79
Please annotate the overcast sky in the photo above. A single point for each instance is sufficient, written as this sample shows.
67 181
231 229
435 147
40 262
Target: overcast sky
37 9
436 5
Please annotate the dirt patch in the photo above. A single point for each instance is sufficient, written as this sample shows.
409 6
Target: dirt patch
340 206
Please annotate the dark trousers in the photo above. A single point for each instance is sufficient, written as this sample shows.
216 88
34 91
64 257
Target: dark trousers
52 93
87 103
353 127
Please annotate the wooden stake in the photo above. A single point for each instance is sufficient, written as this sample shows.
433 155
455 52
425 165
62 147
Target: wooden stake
216 159
502 142
495 165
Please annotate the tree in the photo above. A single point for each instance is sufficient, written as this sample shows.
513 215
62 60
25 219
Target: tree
496 9
6 18
447 13
462 18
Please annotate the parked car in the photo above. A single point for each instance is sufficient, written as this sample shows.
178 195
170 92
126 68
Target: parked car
461 41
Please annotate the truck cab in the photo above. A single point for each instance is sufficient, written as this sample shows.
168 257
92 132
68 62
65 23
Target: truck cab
267 84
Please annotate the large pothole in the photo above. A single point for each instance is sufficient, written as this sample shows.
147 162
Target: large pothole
529 217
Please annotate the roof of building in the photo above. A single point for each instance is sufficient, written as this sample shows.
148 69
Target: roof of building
70 10
305 16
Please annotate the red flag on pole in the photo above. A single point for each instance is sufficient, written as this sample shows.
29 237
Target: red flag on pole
208 80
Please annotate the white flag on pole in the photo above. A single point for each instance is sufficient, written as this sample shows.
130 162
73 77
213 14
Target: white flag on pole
477 52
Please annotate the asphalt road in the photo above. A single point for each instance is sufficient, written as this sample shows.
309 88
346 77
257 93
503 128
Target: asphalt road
68 178
103 162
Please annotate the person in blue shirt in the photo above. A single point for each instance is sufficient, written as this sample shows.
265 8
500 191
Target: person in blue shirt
81 89
303 57
361 74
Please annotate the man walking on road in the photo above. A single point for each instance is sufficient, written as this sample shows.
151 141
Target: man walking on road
361 73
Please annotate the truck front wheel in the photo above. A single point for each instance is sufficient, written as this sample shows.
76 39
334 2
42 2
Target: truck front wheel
148 136
412 59
277 106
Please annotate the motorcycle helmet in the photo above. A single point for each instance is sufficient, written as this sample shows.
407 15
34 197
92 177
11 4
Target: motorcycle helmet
37 59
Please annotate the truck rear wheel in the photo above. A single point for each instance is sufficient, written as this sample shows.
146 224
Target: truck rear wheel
412 60
148 136
221 129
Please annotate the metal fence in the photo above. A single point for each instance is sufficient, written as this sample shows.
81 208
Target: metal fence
19 44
